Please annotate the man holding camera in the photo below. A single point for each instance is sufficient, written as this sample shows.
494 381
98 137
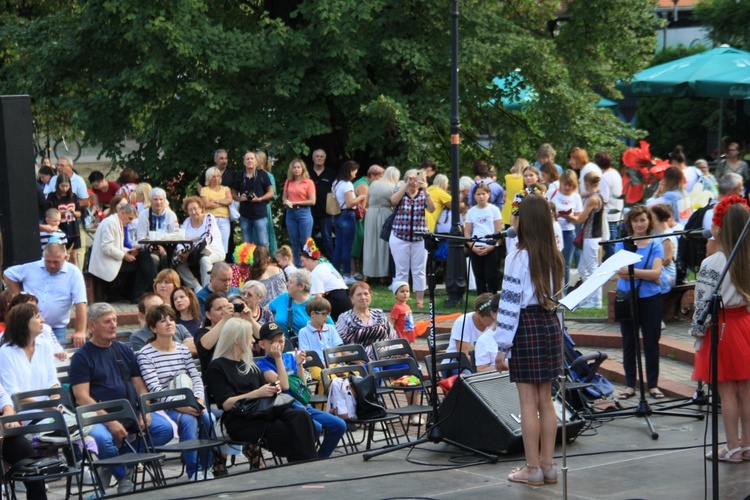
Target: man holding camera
253 190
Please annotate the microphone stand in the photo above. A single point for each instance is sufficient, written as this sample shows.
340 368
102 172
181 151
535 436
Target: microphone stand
435 432
642 410
714 309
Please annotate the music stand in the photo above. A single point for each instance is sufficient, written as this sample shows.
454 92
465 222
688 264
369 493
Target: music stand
435 433
606 271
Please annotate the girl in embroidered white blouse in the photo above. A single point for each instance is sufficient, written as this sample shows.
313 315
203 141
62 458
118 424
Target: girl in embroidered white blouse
527 322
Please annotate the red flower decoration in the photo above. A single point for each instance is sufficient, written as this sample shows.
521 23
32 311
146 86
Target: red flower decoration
643 173
721 208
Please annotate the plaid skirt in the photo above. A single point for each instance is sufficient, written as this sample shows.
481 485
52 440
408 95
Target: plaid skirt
537 347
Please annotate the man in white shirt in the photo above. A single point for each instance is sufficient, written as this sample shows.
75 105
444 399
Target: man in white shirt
612 182
58 285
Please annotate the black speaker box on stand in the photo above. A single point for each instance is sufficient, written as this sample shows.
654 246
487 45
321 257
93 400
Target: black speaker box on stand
482 411
19 213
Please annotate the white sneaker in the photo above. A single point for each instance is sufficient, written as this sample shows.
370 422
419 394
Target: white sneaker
209 476
349 280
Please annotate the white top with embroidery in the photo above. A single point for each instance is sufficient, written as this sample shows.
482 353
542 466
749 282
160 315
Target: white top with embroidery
517 293
705 282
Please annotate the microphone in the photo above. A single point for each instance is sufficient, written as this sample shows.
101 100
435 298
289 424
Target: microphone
508 233
695 234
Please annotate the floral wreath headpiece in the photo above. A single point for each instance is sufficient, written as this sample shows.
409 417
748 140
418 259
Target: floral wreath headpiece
243 254
311 249
721 208
520 196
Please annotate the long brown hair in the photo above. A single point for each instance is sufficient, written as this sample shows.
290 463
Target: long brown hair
260 262
537 236
734 221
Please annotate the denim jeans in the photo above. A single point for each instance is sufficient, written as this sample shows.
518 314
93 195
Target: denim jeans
614 233
334 427
161 432
324 224
299 224
567 252
61 334
187 428
342 251
254 231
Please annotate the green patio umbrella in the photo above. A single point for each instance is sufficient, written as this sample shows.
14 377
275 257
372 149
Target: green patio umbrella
678 78
734 84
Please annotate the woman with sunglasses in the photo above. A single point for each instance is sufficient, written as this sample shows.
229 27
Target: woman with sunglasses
253 293
290 309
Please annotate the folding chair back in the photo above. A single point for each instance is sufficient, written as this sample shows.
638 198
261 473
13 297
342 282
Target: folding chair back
345 355
313 359
52 397
394 347
457 361
442 341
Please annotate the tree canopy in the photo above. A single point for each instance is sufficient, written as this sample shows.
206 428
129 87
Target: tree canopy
363 79
727 21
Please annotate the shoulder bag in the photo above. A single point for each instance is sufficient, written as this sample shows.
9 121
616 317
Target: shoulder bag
385 231
262 408
622 298
332 205
298 389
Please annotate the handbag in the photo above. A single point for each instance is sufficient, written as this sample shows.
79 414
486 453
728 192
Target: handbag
43 466
578 240
180 381
385 231
622 298
332 205
364 391
57 437
298 389
359 211
263 408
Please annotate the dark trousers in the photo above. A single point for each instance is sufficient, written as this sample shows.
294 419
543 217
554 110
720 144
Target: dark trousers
15 449
340 302
649 314
486 269
324 225
291 434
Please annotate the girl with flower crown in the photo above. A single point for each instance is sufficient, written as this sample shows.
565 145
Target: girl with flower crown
326 281
730 217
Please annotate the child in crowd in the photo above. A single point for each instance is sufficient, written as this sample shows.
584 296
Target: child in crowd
317 334
401 317
482 220
50 232
66 202
285 260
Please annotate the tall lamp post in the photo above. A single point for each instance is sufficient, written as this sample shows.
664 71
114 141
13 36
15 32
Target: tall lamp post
455 282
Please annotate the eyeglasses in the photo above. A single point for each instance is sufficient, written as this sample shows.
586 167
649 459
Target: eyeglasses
322 313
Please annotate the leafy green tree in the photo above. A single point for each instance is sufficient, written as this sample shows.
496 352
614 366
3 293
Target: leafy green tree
363 79
727 21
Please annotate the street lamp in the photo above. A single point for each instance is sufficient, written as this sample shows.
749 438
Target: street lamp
455 281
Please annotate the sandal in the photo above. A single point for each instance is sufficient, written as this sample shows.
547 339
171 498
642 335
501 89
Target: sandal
535 477
628 393
550 473
746 450
656 393
726 456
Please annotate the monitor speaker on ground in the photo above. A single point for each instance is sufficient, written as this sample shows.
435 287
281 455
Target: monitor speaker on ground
482 411
19 213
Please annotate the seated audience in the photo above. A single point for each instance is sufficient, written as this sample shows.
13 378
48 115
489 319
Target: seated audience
271 276
253 293
319 333
362 324
296 299
47 333
325 280
185 304
220 282
166 282
468 328
232 376
277 364
103 189
206 251
218 312
104 370
161 361
140 338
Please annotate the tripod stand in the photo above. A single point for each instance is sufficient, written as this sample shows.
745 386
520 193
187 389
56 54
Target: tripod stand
643 409
435 433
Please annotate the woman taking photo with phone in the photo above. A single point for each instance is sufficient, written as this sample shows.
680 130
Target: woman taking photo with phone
528 327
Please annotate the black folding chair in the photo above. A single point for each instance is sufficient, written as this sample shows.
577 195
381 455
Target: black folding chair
345 355
387 423
119 410
172 399
387 371
448 363
314 360
44 421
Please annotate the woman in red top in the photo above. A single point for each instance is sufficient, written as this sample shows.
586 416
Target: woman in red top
298 197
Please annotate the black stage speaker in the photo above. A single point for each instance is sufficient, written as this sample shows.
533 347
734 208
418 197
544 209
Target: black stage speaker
19 213
482 411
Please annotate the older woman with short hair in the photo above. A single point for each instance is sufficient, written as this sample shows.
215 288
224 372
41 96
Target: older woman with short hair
253 293
362 324
217 199
202 226
294 300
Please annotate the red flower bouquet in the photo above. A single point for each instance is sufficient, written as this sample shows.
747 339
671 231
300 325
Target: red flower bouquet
644 172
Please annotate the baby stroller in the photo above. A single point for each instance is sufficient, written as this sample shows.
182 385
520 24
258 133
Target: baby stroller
583 386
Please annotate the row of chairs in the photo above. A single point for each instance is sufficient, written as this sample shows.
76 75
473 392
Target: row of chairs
52 420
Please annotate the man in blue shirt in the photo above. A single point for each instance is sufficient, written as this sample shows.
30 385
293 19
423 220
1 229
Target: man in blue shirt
104 370
220 281
277 364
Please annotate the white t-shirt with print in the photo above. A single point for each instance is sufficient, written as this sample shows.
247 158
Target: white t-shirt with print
483 221
325 279
563 203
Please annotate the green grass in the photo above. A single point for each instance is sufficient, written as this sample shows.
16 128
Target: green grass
382 298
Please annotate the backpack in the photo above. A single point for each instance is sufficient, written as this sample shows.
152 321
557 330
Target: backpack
341 399
691 251
368 407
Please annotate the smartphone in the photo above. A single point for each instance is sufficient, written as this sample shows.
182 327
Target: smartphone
420 175
238 308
